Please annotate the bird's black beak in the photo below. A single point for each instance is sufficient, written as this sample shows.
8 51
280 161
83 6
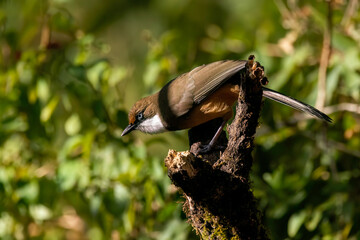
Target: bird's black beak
128 129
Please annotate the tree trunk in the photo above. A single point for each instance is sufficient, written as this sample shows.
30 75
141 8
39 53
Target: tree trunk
219 201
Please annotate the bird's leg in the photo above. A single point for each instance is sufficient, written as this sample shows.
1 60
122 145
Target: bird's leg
208 147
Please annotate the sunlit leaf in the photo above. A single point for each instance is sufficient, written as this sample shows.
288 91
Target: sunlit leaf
42 89
7 223
314 220
40 212
48 110
25 72
73 124
295 222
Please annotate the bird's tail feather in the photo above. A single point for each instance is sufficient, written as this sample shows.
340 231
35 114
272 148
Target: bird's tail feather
291 102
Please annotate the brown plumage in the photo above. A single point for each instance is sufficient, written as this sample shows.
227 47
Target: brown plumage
186 99
147 105
205 93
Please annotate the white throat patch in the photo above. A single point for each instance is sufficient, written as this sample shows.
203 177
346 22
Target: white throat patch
152 125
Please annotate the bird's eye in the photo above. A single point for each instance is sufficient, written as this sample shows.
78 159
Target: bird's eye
139 116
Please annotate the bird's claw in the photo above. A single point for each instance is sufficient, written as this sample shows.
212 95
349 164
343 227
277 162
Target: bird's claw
202 149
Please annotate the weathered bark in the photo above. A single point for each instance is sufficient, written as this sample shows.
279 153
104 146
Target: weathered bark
219 201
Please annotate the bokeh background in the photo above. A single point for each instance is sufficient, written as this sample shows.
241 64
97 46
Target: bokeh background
70 71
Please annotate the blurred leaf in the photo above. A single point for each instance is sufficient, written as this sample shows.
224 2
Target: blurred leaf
352 58
314 220
25 69
289 65
73 173
270 139
117 75
353 84
17 124
295 222
151 73
333 80
62 20
48 110
28 192
122 196
73 124
72 148
95 204
40 212
42 89
97 72
174 230
78 71
6 177
139 151
7 223
95 233
275 180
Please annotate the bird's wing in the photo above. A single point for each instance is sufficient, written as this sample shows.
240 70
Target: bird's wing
212 76
199 83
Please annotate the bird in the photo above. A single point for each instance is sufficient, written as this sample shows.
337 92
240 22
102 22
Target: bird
205 93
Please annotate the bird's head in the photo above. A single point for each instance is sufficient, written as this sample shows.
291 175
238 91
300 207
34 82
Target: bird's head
144 116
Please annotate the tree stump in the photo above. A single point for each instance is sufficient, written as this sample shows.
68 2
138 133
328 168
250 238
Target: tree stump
219 202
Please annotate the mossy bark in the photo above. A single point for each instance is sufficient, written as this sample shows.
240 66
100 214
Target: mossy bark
219 201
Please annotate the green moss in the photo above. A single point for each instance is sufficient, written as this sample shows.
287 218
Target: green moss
212 229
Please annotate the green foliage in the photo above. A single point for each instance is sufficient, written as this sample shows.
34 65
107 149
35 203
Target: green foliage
70 70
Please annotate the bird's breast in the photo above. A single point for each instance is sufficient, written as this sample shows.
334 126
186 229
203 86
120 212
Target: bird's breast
152 125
